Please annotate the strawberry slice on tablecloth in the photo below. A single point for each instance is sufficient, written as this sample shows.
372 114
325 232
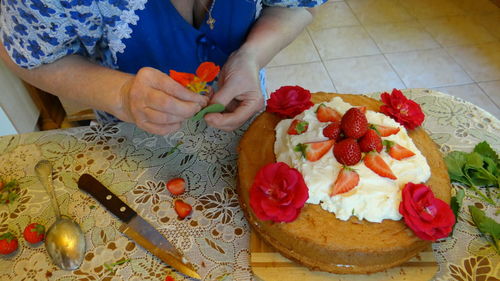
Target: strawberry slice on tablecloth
327 114
346 180
313 151
397 151
374 162
176 186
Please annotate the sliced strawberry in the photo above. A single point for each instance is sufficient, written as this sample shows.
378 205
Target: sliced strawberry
384 131
370 141
182 208
332 131
375 163
34 233
8 243
298 127
362 109
176 186
327 114
354 123
313 151
397 151
346 180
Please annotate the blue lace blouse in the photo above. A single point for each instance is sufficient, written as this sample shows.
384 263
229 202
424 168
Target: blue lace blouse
36 32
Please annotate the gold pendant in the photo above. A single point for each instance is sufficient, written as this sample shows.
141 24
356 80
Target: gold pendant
211 22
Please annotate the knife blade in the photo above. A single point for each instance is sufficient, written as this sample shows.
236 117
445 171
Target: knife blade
135 227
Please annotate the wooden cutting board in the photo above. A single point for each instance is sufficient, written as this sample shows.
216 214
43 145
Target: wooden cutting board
269 265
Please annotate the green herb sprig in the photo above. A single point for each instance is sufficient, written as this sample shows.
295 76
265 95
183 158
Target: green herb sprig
9 191
481 167
111 267
487 226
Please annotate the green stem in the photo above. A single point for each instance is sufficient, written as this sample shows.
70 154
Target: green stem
479 192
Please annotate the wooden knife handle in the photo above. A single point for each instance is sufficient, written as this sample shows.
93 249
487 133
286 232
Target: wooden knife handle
109 200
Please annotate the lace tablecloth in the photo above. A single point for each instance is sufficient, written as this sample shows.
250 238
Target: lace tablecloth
135 165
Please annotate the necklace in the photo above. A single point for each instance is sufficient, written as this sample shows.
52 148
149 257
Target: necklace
210 21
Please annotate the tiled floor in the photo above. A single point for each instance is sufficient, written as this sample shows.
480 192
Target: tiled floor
363 46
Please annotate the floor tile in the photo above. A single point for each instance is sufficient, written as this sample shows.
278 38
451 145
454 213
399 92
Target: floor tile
342 42
476 6
481 62
399 37
363 75
333 14
428 69
379 11
490 22
473 94
492 89
456 31
424 9
301 50
312 76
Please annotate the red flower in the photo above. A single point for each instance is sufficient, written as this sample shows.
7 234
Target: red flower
430 218
206 72
289 101
278 193
407 112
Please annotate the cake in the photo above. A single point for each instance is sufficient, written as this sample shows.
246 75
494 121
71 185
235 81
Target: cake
317 238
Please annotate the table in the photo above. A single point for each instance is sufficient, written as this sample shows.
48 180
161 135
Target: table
135 165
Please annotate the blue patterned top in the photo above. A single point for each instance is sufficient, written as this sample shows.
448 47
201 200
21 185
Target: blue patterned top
36 32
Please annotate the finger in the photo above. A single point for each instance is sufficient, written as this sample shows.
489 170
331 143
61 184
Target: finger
159 129
161 118
160 101
232 120
162 82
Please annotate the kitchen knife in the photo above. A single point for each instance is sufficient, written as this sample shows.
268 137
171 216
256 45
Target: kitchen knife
136 228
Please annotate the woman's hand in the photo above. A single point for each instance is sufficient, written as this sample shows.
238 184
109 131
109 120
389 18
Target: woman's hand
239 90
156 103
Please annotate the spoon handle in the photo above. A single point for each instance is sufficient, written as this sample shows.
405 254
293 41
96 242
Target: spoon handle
43 170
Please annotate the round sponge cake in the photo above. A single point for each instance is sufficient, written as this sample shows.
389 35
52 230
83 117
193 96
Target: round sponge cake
317 239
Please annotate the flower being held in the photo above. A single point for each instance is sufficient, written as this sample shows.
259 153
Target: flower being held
430 218
205 73
405 111
278 193
289 101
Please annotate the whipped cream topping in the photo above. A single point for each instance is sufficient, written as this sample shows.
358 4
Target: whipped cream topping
375 198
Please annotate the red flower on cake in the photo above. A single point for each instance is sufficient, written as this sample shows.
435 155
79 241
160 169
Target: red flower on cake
289 101
405 111
278 193
430 218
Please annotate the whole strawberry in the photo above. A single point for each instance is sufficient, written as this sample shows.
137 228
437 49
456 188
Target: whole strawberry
370 141
354 123
8 243
34 233
332 131
347 152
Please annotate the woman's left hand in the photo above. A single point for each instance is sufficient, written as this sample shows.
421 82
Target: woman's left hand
239 90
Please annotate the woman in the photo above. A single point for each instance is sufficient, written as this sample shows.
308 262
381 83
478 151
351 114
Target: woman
113 54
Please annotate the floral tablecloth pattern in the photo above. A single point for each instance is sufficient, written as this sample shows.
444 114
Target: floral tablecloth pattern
135 165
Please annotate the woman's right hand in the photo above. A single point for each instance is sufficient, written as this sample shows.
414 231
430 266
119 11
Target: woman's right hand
156 103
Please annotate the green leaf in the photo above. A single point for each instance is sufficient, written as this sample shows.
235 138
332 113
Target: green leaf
455 161
456 202
474 159
491 166
486 225
485 150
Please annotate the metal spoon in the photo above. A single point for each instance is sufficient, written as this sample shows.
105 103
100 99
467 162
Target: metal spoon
64 241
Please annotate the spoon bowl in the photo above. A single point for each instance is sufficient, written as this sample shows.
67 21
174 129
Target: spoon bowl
64 240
